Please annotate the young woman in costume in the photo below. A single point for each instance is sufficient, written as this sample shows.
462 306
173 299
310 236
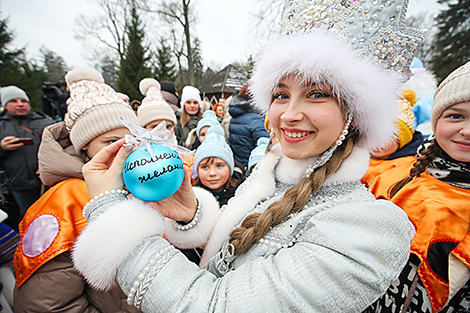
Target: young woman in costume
302 234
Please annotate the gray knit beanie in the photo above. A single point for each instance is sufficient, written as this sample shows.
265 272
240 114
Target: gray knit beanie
94 107
153 107
454 89
12 92
215 146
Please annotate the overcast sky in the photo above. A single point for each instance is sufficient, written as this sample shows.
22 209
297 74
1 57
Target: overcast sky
225 27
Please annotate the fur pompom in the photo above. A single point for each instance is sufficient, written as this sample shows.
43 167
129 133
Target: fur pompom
146 83
83 73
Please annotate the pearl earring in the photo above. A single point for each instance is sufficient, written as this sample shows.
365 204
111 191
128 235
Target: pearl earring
326 156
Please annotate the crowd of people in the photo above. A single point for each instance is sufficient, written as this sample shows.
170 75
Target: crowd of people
311 189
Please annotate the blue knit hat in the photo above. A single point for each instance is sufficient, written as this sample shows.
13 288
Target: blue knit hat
215 146
257 153
208 119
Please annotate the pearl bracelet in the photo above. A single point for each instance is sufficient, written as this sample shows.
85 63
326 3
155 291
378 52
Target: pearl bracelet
102 198
194 221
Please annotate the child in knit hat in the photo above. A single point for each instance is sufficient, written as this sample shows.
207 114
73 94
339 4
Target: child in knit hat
215 166
198 134
43 264
154 109
400 149
434 191
208 119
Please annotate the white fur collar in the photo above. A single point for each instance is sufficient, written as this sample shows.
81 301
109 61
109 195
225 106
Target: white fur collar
354 168
288 171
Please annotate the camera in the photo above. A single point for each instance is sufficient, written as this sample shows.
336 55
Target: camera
54 99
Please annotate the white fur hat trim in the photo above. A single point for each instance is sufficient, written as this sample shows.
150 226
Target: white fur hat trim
369 92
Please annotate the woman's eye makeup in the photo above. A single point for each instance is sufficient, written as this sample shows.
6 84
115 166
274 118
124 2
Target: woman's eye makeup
280 96
318 94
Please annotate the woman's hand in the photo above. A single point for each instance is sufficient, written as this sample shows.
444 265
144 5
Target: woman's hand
104 171
182 205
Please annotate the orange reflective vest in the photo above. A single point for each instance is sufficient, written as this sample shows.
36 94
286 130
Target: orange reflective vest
440 214
50 227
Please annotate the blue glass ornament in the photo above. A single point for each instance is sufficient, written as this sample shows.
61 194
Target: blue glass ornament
153 179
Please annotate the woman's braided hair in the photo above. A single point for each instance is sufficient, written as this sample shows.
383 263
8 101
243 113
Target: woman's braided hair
256 225
419 167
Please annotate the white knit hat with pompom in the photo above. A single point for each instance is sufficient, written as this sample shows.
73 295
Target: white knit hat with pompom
153 106
94 107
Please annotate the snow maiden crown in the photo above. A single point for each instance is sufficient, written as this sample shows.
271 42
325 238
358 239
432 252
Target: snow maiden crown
376 29
361 48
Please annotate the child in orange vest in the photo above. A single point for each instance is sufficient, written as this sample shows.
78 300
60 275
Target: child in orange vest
435 193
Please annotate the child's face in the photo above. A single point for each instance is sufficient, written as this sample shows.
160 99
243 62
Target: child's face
453 131
203 133
169 125
213 173
104 140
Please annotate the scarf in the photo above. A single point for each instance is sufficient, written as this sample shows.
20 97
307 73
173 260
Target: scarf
446 169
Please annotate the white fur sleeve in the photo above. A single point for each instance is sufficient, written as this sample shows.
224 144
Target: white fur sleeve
108 241
198 235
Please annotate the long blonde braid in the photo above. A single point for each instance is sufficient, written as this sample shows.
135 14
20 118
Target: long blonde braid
256 225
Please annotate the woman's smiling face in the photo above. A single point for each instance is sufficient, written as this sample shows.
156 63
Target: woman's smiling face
305 117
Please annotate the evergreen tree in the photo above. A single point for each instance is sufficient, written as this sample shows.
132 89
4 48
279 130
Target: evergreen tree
9 64
16 70
55 65
133 65
109 70
452 44
164 69
197 62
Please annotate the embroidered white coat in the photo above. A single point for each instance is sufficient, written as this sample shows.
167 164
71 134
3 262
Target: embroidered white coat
337 255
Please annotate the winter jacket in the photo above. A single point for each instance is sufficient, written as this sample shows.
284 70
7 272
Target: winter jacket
46 278
440 250
246 126
182 133
21 164
333 256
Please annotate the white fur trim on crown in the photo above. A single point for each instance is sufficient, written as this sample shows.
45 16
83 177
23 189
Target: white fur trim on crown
83 73
146 83
369 91
109 240
198 235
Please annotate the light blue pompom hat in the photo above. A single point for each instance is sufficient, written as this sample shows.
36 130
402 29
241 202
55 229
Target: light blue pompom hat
208 119
215 146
